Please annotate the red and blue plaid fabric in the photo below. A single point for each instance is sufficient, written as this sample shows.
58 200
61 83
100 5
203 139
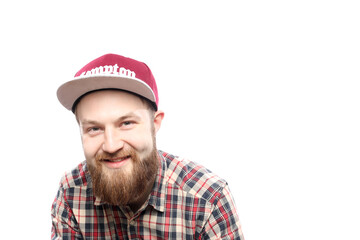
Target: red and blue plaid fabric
187 202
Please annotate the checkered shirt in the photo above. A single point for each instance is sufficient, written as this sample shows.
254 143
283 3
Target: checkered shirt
187 202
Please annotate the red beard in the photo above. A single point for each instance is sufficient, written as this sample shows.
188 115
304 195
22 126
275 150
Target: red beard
120 187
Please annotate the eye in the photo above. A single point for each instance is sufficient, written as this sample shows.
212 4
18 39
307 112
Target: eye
127 124
93 130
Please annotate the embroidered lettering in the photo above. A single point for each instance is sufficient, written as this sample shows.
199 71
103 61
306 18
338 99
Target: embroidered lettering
109 70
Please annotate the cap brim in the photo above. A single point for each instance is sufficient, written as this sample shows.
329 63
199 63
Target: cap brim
70 91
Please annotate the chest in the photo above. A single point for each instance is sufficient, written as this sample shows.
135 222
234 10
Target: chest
183 220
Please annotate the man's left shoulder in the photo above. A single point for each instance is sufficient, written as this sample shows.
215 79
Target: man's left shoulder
76 178
194 178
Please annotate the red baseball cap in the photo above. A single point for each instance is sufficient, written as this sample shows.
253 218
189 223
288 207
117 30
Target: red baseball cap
110 71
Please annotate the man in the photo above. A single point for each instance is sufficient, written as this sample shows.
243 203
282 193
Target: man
126 188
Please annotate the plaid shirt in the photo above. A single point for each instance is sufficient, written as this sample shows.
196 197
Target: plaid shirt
187 202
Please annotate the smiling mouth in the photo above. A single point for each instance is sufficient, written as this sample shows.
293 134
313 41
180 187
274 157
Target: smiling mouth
116 159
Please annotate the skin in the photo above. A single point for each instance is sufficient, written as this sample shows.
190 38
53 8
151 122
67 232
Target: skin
111 121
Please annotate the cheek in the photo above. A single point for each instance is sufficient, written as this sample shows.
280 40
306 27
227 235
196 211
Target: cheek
90 147
141 142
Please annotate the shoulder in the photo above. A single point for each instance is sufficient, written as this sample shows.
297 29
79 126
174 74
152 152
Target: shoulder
193 178
77 177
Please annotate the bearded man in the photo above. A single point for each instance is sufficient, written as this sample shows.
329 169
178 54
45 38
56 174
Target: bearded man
126 188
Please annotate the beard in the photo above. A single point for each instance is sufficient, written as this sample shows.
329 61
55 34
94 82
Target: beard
119 186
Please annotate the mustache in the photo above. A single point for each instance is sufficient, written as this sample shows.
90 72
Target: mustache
122 154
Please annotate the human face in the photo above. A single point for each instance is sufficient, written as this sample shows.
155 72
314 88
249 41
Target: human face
117 132
111 121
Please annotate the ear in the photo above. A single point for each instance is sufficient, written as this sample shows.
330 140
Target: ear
158 117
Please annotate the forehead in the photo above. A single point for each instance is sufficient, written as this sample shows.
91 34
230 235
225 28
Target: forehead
108 103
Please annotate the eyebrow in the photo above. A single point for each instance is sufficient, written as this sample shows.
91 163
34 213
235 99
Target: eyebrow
120 119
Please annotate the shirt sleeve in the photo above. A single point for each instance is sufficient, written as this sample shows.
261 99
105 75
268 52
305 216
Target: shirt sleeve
64 225
223 222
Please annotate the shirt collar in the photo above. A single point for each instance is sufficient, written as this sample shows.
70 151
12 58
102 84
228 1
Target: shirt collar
157 196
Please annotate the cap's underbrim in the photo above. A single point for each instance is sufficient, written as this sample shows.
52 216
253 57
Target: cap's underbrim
70 91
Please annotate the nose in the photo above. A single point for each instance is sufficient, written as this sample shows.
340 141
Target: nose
112 141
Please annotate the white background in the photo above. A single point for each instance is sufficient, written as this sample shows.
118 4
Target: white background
263 93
